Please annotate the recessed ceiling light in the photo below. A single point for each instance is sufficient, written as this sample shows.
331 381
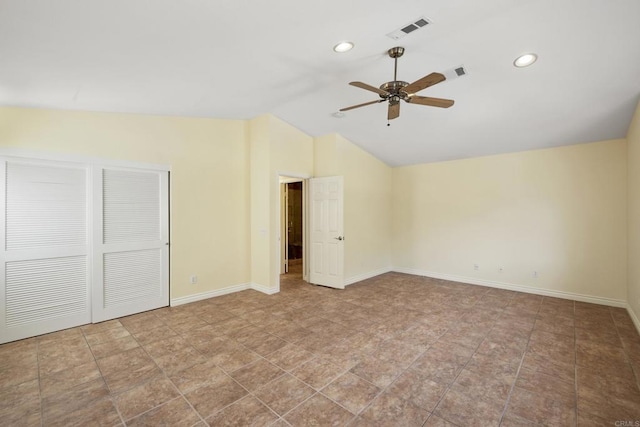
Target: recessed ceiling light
343 47
525 60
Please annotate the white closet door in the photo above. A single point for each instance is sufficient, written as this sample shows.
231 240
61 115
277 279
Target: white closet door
44 263
131 252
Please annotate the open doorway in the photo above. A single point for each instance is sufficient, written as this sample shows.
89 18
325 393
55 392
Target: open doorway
292 236
294 228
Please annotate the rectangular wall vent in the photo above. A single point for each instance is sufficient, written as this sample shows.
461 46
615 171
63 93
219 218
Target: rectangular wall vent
409 28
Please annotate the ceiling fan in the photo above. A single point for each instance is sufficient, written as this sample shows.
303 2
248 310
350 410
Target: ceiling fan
396 90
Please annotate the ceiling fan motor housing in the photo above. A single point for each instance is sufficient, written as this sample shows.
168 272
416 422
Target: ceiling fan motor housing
396 52
393 88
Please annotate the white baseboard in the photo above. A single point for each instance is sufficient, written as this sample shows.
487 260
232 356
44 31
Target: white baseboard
469 280
365 276
634 317
209 294
224 291
519 288
261 288
264 289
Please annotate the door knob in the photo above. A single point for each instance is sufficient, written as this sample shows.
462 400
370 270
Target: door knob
339 238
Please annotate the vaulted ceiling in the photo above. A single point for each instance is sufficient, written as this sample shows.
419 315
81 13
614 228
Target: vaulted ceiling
239 59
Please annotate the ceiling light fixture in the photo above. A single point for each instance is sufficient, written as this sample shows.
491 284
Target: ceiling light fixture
525 60
343 47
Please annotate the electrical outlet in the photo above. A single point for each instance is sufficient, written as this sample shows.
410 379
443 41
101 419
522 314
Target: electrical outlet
193 279
534 275
476 267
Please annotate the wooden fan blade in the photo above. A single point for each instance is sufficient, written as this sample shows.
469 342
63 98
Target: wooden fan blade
423 83
377 101
369 87
433 102
394 111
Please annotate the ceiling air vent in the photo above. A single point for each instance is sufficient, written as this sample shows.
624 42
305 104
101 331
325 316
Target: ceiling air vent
455 72
409 28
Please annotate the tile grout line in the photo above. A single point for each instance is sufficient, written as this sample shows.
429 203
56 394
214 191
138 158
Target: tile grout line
319 391
432 412
171 381
626 353
287 372
384 389
249 393
515 380
102 375
82 334
467 363
321 355
39 382
635 370
180 394
228 374
113 395
316 391
179 334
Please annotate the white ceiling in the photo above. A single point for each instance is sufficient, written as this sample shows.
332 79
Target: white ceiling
232 59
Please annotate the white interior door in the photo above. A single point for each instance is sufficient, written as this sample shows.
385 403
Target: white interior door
131 237
326 252
44 265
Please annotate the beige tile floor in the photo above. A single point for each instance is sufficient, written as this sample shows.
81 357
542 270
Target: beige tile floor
393 350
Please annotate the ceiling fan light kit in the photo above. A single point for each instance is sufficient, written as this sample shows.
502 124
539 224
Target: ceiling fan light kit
397 90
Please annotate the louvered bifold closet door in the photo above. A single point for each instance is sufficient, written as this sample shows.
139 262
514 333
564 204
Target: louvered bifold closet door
130 242
45 264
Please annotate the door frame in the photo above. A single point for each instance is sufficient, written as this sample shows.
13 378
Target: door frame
284 232
292 177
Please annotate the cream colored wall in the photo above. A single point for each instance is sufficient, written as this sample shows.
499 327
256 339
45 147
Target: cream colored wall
633 159
209 179
259 195
560 212
367 204
276 148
